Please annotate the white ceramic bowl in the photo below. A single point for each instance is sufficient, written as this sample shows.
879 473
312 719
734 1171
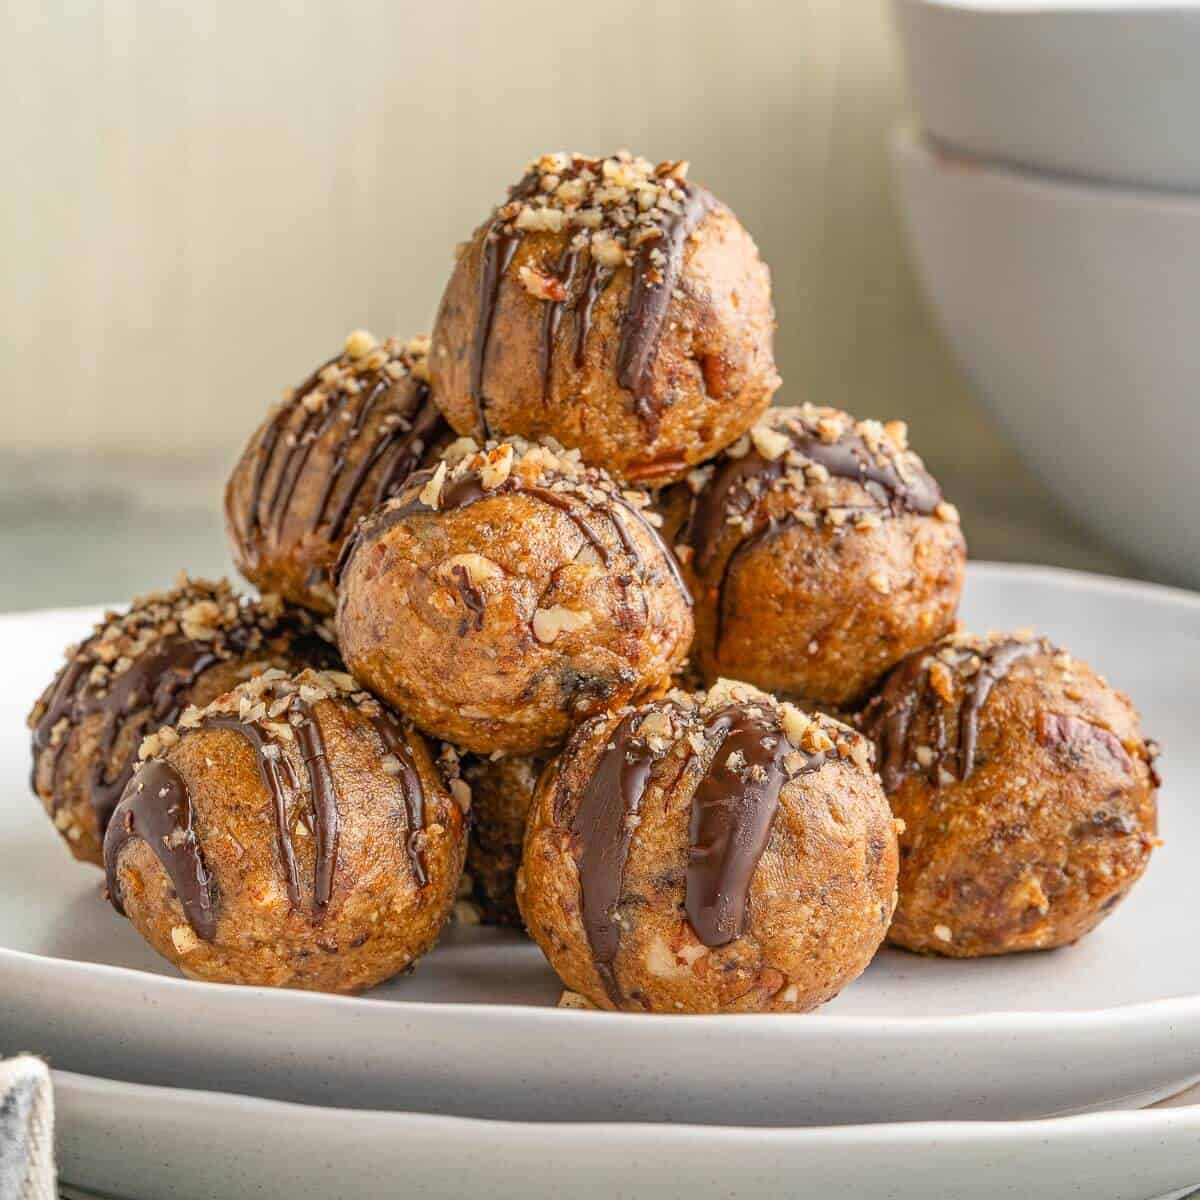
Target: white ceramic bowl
1075 310
1100 88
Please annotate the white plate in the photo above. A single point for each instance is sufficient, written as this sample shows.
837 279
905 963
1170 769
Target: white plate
1071 307
1114 1021
1097 88
132 1141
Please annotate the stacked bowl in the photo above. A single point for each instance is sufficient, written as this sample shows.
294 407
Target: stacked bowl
1050 199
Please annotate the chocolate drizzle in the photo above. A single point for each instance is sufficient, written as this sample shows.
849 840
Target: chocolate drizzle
998 660
598 278
157 809
565 272
738 483
601 831
399 447
890 717
656 274
888 720
468 489
155 686
282 784
395 449
394 743
583 302
327 818
472 597
733 810
657 266
499 245
280 780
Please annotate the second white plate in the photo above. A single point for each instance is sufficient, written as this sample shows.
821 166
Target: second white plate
1113 1021
137 1141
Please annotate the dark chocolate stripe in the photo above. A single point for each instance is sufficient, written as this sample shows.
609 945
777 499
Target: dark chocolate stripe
337 405
279 778
649 299
601 832
395 744
327 818
403 447
997 662
890 717
730 492
157 808
565 272
595 282
299 445
472 597
499 245
158 681
733 810
59 704
407 456
468 490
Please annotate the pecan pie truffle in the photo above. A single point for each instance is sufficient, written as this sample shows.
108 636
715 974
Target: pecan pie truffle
1026 789
719 852
820 553
141 669
615 306
335 447
509 593
501 791
291 834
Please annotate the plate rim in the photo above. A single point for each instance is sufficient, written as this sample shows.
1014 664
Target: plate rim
1109 1121
817 1024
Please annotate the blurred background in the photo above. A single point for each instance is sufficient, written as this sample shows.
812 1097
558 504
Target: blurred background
202 199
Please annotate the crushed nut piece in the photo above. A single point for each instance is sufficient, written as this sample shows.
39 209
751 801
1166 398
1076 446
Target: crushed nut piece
549 623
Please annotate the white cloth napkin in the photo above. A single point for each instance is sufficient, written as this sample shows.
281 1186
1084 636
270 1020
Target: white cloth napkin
26 1130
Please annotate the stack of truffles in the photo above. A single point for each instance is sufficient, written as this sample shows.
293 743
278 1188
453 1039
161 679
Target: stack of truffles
554 592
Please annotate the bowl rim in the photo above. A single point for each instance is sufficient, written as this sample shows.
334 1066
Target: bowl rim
907 140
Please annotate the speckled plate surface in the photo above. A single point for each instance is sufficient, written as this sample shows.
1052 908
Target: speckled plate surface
1112 1022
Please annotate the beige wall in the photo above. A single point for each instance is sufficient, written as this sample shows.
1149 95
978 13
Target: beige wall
207 195
202 197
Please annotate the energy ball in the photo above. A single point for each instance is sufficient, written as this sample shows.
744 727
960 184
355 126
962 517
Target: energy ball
508 594
1026 789
141 669
614 306
501 792
718 852
820 553
291 834
334 448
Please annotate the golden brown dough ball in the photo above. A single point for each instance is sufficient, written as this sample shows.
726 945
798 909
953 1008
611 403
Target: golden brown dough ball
335 447
820 552
501 791
140 669
1026 789
614 306
291 834
720 852
510 593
